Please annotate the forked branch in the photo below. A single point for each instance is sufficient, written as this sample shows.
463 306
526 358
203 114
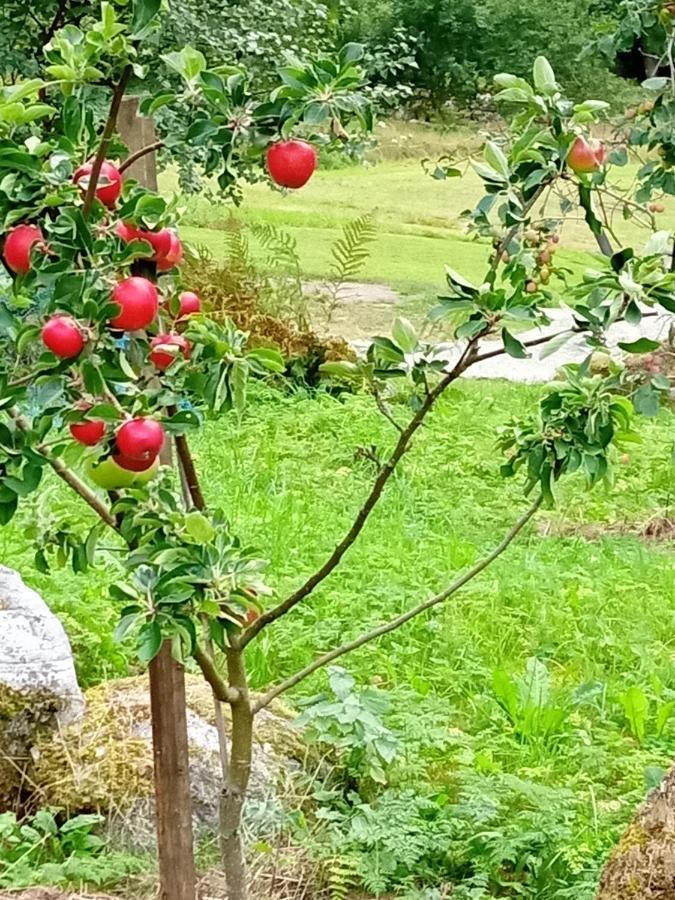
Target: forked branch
401 620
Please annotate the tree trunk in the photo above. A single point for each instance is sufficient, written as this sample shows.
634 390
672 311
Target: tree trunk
236 783
172 777
642 866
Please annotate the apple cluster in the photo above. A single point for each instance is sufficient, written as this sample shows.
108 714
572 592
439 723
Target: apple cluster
130 452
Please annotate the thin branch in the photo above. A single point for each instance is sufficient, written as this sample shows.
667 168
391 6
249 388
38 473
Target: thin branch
219 686
66 474
379 484
139 154
106 136
384 408
513 231
500 351
401 620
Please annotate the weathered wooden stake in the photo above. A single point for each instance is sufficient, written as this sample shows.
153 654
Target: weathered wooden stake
173 802
172 777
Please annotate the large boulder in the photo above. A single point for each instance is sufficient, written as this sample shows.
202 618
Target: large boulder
104 761
642 865
38 685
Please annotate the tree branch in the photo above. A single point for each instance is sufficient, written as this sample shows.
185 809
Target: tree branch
385 473
108 131
219 686
139 154
396 623
66 474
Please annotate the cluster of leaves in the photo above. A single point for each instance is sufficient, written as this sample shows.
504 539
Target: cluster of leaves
350 721
48 849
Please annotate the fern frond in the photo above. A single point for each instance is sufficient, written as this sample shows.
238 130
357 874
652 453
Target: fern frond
342 877
351 251
281 247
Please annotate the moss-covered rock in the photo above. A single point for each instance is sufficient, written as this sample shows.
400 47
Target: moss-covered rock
104 762
642 866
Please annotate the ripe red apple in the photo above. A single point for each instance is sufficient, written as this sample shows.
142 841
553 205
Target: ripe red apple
18 245
166 348
63 337
160 241
89 432
173 256
108 186
291 163
586 157
138 301
134 465
189 304
140 440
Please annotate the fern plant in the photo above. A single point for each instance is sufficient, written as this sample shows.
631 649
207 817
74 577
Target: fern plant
283 264
341 877
349 255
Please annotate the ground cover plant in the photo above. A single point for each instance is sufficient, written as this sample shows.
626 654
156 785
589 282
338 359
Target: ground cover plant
185 569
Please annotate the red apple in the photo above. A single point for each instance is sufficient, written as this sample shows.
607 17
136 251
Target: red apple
585 157
134 465
63 337
140 440
189 304
138 301
108 186
89 432
166 348
160 241
18 245
173 256
291 163
128 232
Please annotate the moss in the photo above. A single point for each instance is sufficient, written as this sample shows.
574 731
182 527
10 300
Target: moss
21 712
105 761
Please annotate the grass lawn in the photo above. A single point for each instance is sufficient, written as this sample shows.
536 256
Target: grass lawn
418 219
598 613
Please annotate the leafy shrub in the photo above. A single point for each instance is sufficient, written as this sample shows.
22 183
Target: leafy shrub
44 850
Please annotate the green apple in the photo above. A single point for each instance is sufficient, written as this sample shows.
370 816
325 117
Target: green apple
108 475
141 478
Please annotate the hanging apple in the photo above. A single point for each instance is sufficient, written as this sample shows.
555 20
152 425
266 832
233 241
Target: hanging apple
138 301
586 157
62 335
160 241
147 474
166 348
18 245
291 163
109 184
189 304
108 475
89 432
173 256
139 440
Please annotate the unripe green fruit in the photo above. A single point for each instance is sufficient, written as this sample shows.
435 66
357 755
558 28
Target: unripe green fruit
109 476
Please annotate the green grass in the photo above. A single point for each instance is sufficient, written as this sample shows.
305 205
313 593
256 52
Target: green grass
599 612
420 229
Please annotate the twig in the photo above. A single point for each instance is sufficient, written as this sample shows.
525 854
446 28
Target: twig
533 343
379 484
393 624
139 154
219 686
108 131
66 474
384 408
513 231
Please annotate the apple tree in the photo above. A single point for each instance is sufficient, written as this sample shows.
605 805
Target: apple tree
109 359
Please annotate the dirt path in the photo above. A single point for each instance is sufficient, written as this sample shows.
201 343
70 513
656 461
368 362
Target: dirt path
367 309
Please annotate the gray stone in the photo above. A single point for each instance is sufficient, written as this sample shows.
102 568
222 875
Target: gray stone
38 686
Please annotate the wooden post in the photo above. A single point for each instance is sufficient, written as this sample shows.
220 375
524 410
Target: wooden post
172 777
175 846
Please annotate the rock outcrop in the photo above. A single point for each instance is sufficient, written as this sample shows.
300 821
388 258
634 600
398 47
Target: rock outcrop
38 685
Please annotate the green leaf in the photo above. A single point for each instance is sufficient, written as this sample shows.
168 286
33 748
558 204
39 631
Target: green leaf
404 335
238 380
642 345
544 76
149 641
189 63
143 12
513 346
495 158
199 528
351 53
636 707
655 84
